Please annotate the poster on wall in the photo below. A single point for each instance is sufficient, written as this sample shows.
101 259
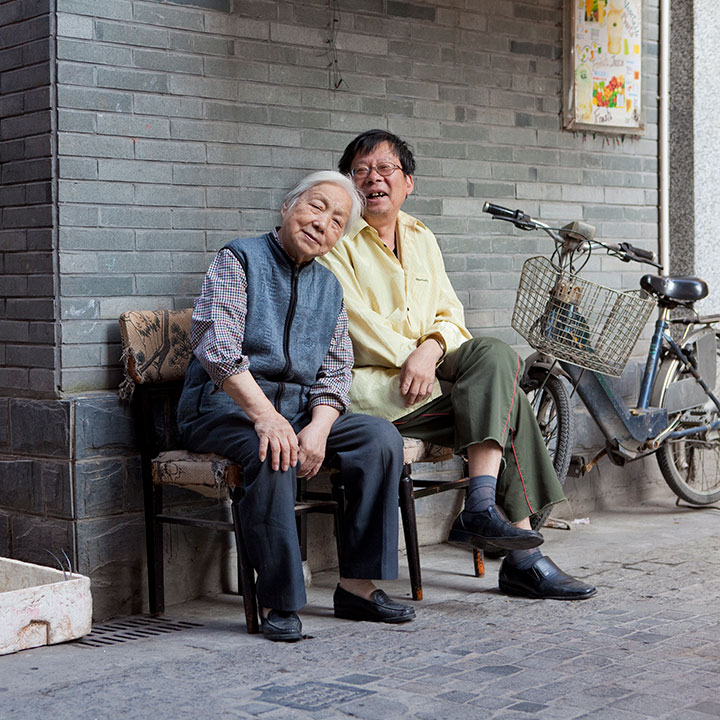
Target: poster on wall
602 74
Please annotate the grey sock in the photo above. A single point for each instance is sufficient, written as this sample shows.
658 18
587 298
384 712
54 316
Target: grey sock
523 559
480 493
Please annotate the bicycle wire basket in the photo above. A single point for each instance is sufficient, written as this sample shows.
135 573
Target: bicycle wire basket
578 321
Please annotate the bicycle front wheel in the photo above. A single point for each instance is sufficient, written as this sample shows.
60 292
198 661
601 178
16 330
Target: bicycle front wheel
691 465
551 405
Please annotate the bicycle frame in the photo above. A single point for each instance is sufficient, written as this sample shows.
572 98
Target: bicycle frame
647 426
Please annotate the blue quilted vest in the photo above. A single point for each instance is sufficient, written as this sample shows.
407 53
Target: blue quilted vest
292 313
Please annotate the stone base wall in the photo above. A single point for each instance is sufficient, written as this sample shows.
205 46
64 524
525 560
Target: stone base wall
70 482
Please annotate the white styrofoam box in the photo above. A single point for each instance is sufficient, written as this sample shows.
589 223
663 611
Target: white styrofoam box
39 606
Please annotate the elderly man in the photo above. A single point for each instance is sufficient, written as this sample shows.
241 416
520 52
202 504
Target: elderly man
407 329
268 387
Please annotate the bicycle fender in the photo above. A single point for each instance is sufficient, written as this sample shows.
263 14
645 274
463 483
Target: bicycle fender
686 393
537 364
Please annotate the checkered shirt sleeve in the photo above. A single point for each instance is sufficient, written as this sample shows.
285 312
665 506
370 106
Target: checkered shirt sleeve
332 385
218 321
218 329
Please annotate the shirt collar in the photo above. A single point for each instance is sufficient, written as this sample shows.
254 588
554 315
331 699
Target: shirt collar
403 221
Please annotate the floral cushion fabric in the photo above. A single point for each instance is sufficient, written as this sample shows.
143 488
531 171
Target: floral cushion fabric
156 346
208 474
415 450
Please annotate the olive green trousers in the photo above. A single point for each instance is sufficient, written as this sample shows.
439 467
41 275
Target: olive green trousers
485 402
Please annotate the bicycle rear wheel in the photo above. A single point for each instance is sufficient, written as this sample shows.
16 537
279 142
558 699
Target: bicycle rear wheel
551 405
691 465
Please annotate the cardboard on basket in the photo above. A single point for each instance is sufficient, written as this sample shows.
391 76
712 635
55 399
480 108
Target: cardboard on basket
41 606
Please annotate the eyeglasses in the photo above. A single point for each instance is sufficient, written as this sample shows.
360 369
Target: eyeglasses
385 169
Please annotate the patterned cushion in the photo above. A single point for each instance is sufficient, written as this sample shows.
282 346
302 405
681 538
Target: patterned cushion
415 450
208 474
156 346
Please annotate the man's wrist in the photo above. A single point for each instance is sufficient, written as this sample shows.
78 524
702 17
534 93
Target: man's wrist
438 338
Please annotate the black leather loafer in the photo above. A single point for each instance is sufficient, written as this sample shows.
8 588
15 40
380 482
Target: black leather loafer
281 626
543 580
380 609
491 528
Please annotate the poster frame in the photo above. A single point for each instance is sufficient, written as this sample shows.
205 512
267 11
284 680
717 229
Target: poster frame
570 63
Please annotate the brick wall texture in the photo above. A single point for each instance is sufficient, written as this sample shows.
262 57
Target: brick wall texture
28 347
180 125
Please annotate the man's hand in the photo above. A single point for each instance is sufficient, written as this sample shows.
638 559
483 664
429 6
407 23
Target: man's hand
277 436
417 374
312 440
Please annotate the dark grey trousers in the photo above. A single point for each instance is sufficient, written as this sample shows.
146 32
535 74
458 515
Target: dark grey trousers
367 450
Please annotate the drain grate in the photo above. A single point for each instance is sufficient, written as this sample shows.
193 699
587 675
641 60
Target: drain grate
132 628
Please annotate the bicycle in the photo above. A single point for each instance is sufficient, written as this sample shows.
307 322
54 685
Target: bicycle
583 334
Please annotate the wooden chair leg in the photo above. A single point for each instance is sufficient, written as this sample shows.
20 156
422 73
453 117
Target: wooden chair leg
479 562
155 548
301 525
338 495
478 554
409 521
246 578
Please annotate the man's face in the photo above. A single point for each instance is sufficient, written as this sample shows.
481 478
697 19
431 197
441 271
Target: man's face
313 225
384 196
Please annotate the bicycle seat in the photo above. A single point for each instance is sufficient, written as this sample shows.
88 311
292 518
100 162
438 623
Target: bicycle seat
675 287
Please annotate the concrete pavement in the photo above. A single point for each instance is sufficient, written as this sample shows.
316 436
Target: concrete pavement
647 646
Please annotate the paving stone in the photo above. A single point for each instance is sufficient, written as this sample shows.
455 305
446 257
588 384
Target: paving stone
708 707
690 714
651 705
255 709
528 707
611 714
358 679
372 708
500 669
458 696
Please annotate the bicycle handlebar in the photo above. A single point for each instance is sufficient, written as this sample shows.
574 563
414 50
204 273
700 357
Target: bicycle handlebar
576 232
517 217
639 252
500 211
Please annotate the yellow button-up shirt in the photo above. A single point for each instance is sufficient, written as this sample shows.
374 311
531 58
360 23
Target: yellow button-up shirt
393 304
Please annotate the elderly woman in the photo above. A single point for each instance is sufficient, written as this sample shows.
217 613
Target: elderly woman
268 387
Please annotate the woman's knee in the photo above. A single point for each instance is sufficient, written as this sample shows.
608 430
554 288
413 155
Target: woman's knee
380 436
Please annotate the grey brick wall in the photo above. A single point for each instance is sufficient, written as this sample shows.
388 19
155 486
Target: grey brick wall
28 354
182 124
172 126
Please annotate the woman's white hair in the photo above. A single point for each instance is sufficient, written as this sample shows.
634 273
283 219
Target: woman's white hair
328 176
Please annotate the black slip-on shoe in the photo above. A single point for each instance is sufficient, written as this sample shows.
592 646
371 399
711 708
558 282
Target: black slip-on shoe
281 626
491 528
380 609
542 580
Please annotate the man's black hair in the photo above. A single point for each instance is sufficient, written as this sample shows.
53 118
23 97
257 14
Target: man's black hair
366 142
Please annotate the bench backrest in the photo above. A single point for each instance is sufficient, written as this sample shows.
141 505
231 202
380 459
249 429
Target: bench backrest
156 352
156 344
